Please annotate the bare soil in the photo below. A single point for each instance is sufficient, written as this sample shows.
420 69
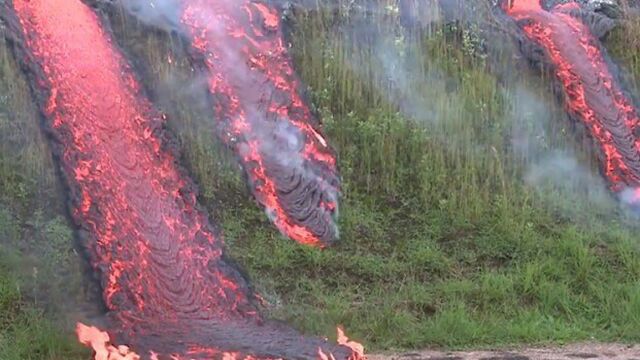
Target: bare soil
570 352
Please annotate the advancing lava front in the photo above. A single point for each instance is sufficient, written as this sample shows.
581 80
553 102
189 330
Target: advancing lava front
591 91
262 116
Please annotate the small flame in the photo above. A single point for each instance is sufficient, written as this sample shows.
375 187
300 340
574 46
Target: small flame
358 349
100 342
324 356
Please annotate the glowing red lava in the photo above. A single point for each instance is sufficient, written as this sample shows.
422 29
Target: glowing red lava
262 115
592 93
168 288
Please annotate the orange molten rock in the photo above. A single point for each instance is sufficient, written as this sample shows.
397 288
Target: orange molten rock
262 116
592 93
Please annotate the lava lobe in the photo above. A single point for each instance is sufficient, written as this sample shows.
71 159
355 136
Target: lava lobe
261 114
592 93
168 288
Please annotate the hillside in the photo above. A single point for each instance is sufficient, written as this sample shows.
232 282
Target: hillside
473 211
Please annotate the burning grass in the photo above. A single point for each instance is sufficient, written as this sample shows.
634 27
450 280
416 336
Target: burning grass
451 235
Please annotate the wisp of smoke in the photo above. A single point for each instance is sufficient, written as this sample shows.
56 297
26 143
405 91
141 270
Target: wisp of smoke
561 171
163 14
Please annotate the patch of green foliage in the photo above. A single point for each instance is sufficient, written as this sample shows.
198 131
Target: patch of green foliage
26 333
38 275
623 43
39 269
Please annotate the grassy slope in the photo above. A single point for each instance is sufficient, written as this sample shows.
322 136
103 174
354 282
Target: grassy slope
443 243
25 332
39 269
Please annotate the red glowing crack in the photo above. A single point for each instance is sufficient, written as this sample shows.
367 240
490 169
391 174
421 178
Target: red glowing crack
592 93
169 291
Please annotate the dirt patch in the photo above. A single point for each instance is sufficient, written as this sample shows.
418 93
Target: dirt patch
571 352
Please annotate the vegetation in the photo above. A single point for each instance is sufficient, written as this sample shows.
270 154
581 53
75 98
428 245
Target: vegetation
472 214
25 332
621 40
40 271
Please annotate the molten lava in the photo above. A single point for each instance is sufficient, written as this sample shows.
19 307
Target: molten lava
169 290
592 93
262 116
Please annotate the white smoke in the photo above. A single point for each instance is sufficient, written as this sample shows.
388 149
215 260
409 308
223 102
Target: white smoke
560 177
164 14
399 72
630 197
561 171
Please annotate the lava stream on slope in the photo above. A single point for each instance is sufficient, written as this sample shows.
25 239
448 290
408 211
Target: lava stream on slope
591 91
168 288
261 114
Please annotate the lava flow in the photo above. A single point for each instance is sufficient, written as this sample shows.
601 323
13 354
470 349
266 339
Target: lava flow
592 93
262 116
168 288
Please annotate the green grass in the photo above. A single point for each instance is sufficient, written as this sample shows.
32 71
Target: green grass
40 272
25 332
620 42
455 229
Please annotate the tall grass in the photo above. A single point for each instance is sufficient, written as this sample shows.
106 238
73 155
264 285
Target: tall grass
40 269
622 39
25 332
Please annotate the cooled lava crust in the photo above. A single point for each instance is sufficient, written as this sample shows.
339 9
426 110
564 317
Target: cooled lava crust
592 94
168 288
261 114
